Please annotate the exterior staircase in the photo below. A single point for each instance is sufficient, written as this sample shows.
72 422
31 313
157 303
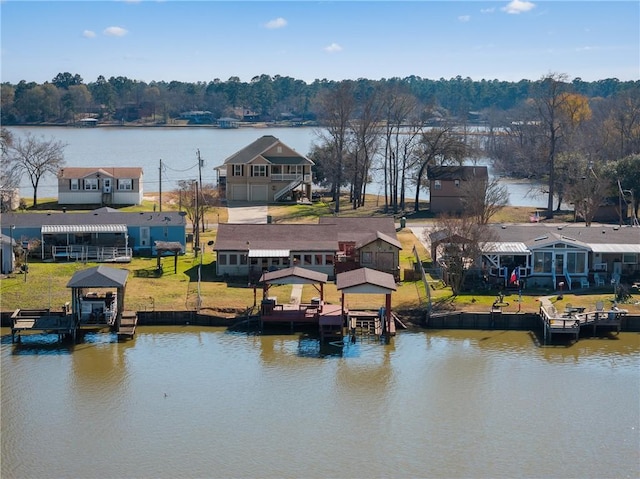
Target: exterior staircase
294 184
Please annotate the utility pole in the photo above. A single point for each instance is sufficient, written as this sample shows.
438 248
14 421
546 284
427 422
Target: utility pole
200 165
160 182
196 222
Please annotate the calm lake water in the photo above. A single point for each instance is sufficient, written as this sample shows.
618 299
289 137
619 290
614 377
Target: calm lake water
194 402
177 148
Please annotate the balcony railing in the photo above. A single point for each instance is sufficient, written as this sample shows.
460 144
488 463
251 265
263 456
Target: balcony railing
290 177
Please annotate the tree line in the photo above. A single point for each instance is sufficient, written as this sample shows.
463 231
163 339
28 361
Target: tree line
67 97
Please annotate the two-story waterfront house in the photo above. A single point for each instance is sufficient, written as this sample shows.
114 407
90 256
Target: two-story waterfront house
100 186
266 171
447 186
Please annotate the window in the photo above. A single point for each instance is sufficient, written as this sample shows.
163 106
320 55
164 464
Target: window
296 259
629 258
318 259
366 257
243 259
258 170
125 184
328 259
237 170
91 183
307 259
222 259
542 262
233 259
75 185
576 262
437 184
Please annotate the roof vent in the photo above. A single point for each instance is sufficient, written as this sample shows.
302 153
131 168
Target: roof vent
504 227
560 227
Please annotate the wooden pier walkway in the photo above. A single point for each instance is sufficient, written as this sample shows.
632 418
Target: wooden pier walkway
25 321
573 320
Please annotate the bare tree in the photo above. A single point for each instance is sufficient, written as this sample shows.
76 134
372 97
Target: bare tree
336 110
462 239
559 113
483 197
9 175
37 158
365 133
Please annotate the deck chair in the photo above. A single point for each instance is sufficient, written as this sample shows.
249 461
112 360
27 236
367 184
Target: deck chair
599 280
568 309
584 283
599 306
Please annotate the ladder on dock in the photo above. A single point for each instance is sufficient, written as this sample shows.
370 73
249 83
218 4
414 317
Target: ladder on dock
127 326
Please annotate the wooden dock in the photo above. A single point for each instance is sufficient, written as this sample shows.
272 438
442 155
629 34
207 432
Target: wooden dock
575 320
127 326
24 321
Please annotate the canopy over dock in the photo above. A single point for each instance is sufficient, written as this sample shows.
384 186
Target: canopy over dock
90 304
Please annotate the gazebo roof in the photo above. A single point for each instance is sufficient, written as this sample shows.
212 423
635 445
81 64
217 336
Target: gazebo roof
295 275
365 280
99 277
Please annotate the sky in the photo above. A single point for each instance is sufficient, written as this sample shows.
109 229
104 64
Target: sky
199 41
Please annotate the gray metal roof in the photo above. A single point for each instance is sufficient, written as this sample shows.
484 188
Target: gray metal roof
99 277
514 247
269 253
54 229
260 147
615 248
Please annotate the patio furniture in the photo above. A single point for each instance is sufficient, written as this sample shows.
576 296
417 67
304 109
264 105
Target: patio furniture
598 279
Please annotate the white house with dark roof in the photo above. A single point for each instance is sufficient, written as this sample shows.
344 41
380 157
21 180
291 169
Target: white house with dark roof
265 171
100 186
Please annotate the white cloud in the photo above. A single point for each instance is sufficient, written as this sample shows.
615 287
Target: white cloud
464 18
487 10
115 32
276 23
518 6
334 47
88 34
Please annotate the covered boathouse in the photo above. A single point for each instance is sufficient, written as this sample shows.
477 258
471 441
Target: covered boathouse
331 320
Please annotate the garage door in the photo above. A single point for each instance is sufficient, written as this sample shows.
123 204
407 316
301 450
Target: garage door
259 193
238 193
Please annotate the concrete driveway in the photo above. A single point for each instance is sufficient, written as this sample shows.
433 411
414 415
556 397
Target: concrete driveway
247 214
